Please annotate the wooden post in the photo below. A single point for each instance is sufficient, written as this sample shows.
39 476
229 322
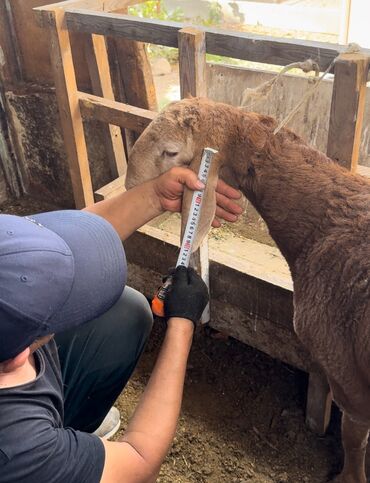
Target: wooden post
136 73
97 61
69 110
192 64
319 401
133 82
347 109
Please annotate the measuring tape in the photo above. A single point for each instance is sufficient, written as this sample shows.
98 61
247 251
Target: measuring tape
190 231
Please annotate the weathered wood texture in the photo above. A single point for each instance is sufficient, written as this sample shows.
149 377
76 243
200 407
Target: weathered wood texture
347 109
220 42
11 174
113 188
135 73
97 60
26 44
133 79
117 113
29 52
263 320
228 84
73 131
192 64
91 5
10 68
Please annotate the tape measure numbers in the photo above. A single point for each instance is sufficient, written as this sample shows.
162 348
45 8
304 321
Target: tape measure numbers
190 230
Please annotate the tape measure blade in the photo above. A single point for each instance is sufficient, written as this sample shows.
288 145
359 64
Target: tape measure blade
195 209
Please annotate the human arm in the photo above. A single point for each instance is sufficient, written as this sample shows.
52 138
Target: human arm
130 210
139 454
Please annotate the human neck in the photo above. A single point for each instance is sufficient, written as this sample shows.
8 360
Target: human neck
21 375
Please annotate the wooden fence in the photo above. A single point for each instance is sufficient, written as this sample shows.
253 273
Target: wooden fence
87 17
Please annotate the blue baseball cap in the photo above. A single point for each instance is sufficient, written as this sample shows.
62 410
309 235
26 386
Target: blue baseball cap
58 270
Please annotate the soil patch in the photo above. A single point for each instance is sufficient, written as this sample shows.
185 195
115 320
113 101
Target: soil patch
242 418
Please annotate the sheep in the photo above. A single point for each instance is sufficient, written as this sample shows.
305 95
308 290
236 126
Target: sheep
318 215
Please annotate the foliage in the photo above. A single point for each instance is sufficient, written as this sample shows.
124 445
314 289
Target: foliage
215 16
155 9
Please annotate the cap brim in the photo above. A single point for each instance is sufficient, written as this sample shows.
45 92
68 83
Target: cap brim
99 265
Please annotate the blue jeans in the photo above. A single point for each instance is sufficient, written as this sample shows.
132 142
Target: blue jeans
98 358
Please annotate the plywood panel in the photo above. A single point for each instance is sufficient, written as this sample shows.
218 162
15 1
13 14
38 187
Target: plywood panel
228 84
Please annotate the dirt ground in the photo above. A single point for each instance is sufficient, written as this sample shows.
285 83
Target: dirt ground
243 412
242 418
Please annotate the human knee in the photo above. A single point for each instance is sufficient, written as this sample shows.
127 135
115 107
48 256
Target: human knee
133 310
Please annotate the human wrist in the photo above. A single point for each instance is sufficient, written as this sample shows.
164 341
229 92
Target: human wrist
180 325
153 197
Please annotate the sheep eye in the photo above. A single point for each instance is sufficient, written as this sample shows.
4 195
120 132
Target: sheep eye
170 154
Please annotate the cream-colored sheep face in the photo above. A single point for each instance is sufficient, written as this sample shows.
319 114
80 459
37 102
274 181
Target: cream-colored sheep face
177 137
163 145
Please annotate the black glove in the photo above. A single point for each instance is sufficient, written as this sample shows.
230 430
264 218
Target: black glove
187 296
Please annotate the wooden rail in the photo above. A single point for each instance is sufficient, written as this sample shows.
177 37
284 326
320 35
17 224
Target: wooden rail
113 112
238 45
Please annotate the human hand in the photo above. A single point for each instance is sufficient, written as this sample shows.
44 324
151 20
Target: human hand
187 296
169 188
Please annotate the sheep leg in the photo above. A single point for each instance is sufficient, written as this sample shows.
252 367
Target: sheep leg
319 400
354 439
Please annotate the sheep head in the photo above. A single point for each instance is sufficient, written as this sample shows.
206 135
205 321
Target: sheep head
177 137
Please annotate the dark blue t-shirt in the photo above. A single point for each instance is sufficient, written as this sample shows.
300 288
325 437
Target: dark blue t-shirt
34 446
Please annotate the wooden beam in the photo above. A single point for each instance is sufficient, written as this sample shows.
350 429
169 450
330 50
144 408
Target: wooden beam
136 73
113 112
10 61
133 78
98 65
111 189
192 64
91 5
70 116
240 45
347 109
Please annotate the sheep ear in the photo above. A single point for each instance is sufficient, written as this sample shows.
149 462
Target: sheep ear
208 204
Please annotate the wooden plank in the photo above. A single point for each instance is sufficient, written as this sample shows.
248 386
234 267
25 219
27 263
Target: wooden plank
319 401
113 112
363 171
70 116
192 65
232 312
111 189
136 73
98 65
41 16
33 45
132 28
10 59
347 109
133 78
240 45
